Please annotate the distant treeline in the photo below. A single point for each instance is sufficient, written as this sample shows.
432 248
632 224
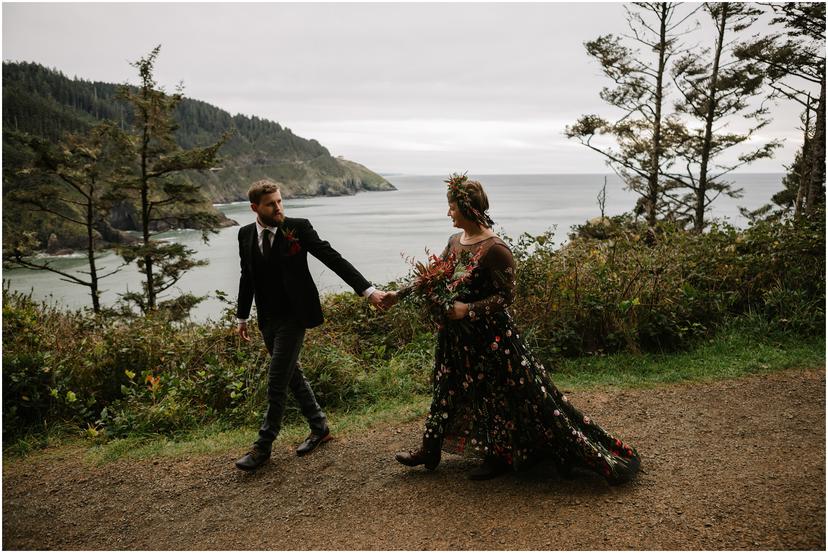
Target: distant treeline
45 102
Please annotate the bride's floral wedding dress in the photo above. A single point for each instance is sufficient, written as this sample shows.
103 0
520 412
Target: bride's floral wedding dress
492 398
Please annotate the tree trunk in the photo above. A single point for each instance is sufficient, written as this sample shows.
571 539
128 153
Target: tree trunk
701 192
90 251
145 213
804 165
817 154
652 184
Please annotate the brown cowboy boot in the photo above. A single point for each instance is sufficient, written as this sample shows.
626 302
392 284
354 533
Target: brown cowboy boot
428 455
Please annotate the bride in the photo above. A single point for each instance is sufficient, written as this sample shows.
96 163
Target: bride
491 398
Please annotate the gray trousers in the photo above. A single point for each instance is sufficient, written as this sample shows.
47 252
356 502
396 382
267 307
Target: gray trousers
283 339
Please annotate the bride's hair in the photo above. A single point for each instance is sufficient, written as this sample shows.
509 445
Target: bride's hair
470 198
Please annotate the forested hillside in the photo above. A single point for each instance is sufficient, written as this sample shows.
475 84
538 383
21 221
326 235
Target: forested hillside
45 102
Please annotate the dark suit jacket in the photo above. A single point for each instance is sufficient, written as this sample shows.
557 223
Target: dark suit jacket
292 256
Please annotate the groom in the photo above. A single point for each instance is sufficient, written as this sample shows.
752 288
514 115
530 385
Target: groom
274 270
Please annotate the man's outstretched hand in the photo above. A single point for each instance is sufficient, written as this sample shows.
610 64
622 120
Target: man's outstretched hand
242 329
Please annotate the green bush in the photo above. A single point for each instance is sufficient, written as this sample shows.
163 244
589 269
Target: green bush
39 384
99 370
622 290
150 375
628 292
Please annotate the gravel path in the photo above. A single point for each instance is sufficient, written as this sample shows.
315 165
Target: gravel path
730 464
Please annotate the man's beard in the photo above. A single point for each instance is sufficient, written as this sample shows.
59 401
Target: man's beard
270 222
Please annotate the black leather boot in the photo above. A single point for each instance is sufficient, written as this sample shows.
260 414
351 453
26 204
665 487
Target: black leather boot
253 459
312 441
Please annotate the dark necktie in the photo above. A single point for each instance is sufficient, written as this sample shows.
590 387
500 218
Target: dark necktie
266 244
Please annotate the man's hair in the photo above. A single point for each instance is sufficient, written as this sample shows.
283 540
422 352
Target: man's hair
261 188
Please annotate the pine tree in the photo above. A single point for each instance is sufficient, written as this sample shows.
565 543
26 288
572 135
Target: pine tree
644 134
715 87
161 196
793 63
73 180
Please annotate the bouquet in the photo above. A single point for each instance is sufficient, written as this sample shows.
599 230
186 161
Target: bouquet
438 283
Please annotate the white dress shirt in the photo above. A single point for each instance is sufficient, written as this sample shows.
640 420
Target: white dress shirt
260 233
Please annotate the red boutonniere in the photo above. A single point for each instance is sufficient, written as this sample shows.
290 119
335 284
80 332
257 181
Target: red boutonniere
292 242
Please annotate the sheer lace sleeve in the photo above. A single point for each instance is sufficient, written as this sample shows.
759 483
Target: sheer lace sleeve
499 262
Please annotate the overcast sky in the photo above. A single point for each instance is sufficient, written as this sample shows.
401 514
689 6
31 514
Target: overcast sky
401 88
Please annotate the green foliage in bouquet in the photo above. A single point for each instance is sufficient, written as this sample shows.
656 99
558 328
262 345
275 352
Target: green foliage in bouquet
437 283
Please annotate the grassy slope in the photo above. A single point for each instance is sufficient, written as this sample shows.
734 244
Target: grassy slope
732 353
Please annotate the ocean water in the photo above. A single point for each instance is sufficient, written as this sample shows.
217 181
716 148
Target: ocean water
376 231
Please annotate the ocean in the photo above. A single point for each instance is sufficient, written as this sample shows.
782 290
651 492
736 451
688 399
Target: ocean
377 231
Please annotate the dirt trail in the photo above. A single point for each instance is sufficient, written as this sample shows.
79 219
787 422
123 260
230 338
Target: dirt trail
733 464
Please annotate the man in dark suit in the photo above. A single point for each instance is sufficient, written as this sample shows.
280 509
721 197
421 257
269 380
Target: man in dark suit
274 270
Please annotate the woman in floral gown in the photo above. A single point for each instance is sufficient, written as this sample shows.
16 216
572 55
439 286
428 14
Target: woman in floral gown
491 398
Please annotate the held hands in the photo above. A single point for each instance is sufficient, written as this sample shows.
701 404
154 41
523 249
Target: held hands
377 299
458 311
389 300
382 300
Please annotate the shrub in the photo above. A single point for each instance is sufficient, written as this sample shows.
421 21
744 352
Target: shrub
621 290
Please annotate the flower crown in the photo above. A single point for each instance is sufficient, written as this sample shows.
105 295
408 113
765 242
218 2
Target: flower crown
459 192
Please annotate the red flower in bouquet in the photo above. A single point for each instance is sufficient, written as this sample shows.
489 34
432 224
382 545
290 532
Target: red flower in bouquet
441 280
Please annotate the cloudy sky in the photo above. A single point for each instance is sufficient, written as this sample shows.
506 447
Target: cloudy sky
401 88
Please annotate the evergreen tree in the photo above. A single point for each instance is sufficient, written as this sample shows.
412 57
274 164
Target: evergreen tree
715 86
158 160
794 184
73 180
644 134
793 63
